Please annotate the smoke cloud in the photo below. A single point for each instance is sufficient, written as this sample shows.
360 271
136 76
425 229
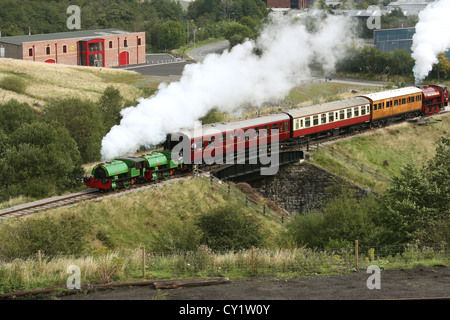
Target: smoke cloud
231 80
431 38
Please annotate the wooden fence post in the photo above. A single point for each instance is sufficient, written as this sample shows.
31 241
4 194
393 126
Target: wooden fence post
253 260
356 254
143 262
39 260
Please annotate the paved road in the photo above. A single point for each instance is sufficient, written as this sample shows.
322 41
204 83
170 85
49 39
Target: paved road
199 53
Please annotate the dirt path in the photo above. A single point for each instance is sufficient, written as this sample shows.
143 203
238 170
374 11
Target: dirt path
421 282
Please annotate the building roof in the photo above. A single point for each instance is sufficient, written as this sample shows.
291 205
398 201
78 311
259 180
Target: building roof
18 40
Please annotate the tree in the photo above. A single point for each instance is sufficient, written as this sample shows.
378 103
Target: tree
171 35
13 114
84 122
237 33
417 200
39 159
110 104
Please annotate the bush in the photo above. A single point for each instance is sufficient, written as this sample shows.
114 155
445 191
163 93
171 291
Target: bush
38 159
343 220
176 236
228 228
13 114
83 120
13 83
64 235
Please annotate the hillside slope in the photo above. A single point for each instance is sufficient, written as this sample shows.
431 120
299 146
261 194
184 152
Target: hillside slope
44 82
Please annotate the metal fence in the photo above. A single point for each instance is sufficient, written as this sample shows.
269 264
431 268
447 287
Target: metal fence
247 200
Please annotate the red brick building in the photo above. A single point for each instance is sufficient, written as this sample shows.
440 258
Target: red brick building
103 48
288 4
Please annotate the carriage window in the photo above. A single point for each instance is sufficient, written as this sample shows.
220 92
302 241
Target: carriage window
341 115
368 108
331 117
356 111
403 101
412 99
264 131
363 110
297 124
324 118
375 106
349 113
315 120
395 103
308 122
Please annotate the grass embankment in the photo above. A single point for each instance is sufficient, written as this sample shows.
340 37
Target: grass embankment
386 150
129 222
43 82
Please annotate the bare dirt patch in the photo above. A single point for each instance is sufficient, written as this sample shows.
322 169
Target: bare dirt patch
417 283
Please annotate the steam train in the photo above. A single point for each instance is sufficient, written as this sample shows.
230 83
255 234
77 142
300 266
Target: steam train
215 141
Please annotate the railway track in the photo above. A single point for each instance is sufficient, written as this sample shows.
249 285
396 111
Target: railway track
76 197
95 194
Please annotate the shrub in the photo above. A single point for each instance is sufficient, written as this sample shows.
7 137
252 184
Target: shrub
229 228
13 114
13 83
176 236
64 235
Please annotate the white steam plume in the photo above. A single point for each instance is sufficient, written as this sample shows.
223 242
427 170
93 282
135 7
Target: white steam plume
431 38
228 81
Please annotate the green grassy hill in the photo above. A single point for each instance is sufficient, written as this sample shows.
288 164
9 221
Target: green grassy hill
386 150
43 82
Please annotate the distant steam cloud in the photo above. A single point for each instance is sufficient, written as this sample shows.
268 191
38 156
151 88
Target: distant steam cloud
431 38
231 80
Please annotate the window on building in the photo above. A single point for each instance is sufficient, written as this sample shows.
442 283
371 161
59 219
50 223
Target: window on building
110 44
64 49
139 41
30 52
125 43
47 50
